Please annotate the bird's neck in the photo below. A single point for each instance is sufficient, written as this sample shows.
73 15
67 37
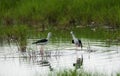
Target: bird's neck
73 36
48 37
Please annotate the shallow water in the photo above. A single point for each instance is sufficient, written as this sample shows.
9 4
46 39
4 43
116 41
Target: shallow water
98 56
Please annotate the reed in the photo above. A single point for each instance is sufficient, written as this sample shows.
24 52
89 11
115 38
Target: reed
61 13
21 33
76 73
16 33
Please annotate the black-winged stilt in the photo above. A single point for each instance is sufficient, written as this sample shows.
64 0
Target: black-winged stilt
76 41
43 42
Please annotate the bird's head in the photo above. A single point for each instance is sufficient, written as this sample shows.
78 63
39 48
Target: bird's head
49 34
71 32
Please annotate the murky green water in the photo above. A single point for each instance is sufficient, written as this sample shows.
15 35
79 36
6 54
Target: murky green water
98 56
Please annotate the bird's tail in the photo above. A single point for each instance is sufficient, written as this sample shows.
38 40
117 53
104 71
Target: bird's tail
34 43
80 45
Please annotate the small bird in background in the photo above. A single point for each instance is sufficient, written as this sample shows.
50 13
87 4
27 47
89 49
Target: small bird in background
76 41
43 42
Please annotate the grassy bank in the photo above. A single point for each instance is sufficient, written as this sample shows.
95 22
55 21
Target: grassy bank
60 13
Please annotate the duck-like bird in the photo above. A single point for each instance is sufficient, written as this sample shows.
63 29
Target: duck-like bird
76 41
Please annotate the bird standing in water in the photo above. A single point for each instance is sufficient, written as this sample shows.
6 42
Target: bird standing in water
43 42
76 41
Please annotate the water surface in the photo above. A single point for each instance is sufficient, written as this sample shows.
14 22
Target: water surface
98 56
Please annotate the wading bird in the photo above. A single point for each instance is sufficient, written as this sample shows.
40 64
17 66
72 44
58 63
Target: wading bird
43 42
76 41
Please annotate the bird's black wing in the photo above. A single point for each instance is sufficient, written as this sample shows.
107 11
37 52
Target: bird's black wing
40 41
73 41
80 42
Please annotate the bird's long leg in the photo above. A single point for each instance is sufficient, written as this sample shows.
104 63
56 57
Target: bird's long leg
41 51
76 47
76 51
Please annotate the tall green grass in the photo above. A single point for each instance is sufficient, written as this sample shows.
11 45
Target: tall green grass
79 72
61 12
24 32
20 33
76 73
16 33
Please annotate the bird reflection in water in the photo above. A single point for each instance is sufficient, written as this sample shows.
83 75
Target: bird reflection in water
79 62
47 63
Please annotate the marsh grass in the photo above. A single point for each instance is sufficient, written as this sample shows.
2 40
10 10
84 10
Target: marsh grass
62 12
21 33
16 33
20 15
76 73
